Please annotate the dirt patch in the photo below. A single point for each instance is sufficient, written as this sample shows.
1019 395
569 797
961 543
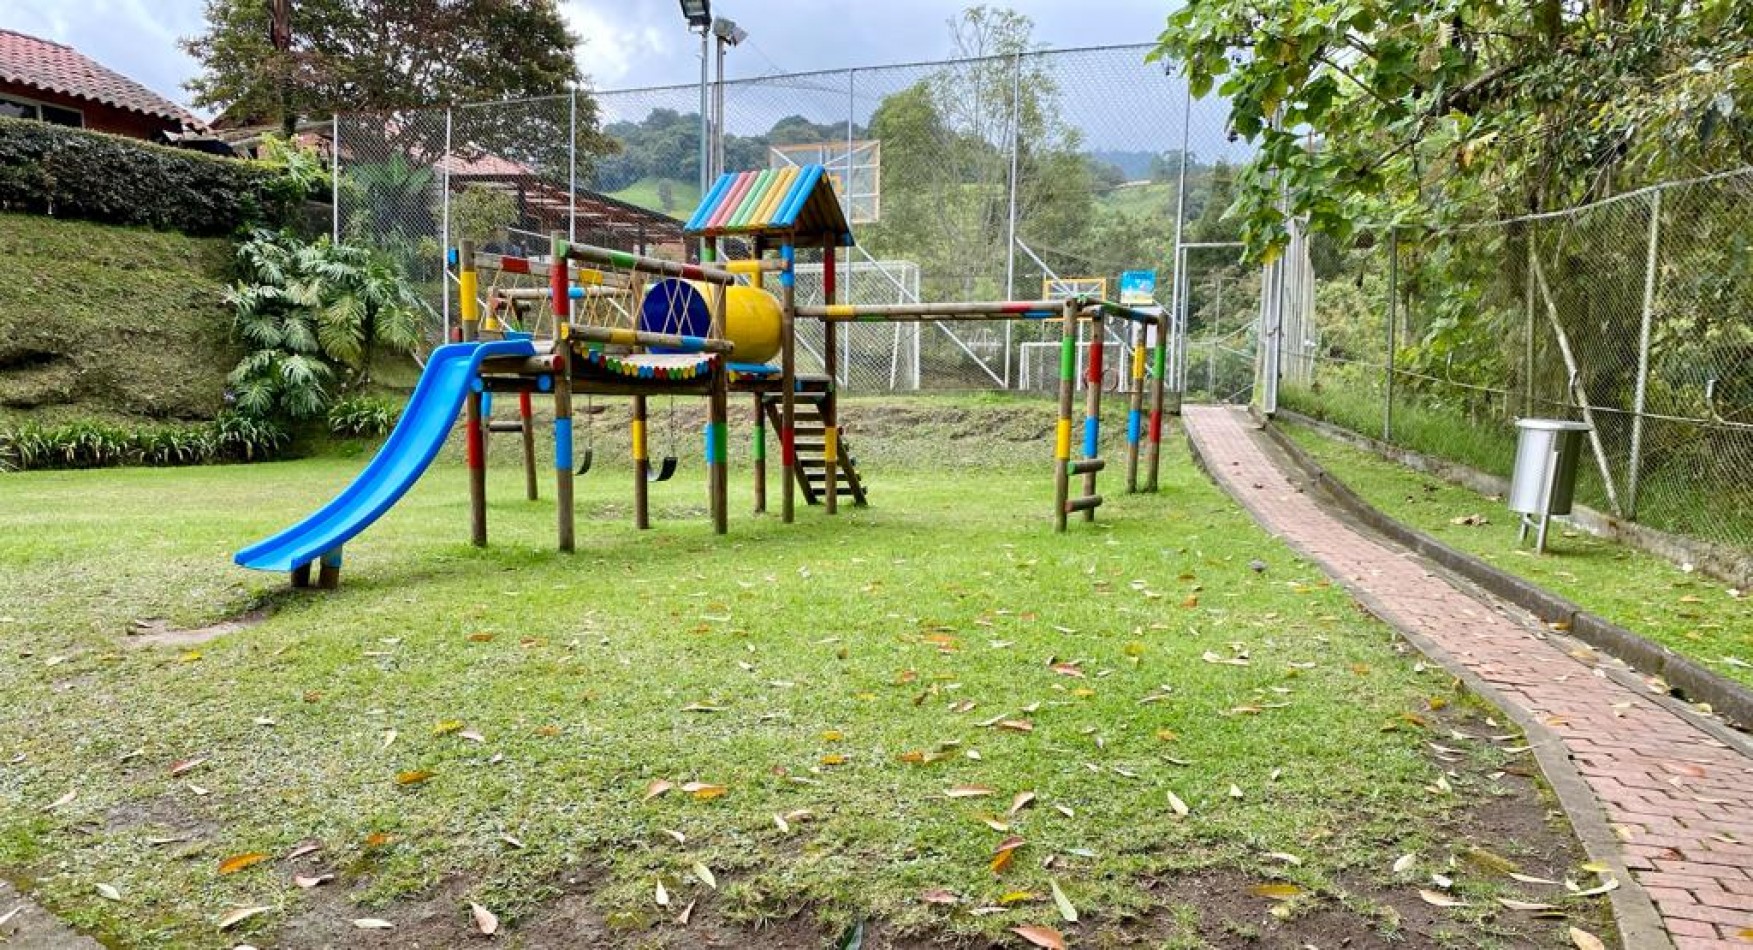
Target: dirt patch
29 927
155 632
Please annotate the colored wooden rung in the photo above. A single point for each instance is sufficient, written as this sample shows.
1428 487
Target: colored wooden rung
1085 466
1083 504
504 425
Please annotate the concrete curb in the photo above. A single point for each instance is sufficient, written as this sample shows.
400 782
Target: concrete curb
1640 926
1727 698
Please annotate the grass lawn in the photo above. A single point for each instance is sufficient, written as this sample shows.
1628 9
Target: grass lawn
1688 613
521 729
647 193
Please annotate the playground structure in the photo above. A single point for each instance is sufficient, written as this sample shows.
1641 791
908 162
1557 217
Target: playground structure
649 327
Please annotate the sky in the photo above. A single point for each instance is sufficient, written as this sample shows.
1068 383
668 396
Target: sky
627 43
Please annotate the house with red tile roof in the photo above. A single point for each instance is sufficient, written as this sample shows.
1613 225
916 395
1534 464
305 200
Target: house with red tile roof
50 82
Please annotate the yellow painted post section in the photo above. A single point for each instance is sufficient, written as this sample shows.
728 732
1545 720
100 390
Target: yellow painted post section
1062 440
1138 360
467 283
830 447
639 440
841 310
622 336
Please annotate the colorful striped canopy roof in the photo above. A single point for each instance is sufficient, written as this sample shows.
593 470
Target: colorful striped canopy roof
790 203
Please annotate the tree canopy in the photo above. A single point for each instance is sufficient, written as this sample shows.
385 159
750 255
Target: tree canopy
1408 111
379 55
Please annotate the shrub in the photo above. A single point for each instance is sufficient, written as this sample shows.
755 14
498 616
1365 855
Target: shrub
310 314
361 418
73 173
233 437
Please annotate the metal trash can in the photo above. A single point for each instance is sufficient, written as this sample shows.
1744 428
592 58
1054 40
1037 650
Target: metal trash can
1545 477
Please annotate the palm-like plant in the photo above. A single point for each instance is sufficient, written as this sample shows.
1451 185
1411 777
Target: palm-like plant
312 314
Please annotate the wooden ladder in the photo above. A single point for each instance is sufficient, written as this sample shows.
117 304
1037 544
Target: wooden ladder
811 477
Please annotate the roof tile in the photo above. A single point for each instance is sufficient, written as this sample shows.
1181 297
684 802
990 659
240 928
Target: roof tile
42 64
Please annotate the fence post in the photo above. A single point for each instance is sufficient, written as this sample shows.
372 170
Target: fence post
851 111
572 170
444 238
335 178
1643 357
1180 255
1393 329
1528 356
1016 121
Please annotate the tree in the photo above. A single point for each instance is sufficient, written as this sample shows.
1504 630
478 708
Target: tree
378 55
1422 113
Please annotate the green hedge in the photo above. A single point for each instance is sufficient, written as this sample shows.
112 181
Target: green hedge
72 173
232 437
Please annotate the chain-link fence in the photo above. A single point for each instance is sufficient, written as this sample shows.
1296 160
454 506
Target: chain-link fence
1633 314
997 177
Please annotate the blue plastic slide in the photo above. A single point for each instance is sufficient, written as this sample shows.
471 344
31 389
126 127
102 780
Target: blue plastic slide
416 439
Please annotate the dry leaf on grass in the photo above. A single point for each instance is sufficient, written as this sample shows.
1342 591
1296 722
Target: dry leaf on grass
656 788
1585 940
1044 937
485 921
1177 804
1066 909
1277 891
661 896
1404 863
238 916
1525 905
414 777
187 765
938 895
309 882
704 873
373 923
108 892
1020 802
1439 900
969 791
704 791
238 862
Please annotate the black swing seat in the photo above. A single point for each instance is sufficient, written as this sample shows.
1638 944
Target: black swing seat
665 470
584 463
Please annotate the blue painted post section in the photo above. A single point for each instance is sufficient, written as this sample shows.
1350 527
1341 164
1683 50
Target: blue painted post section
1092 428
1134 426
563 445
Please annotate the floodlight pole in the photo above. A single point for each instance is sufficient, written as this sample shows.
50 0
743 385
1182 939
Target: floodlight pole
705 132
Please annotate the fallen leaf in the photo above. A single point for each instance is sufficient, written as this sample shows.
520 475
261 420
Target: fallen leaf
304 848
1610 884
238 862
485 921
1439 900
783 825
704 873
1066 909
1017 725
447 727
1588 941
389 737
471 735
1177 804
678 836
661 896
1524 905
686 915
1277 891
309 882
1044 937
373 923
62 802
1404 863
656 788
238 916
1531 879
187 765
1020 802
1286 858
704 791
969 791
414 777
938 895
109 892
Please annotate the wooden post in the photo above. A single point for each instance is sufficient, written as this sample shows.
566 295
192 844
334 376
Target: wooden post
717 413
329 570
474 439
830 414
560 287
1062 430
1153 451
527 426
1092 410
1135 411
641 468
788 384
760 451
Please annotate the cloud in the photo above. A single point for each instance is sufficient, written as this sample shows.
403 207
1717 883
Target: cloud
620 40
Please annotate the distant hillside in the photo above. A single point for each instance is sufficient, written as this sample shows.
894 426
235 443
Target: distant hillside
110 323
1135 165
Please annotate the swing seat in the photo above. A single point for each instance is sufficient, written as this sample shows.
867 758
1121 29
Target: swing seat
665 470
584 463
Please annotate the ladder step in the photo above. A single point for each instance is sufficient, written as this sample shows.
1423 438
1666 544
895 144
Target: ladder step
1083 504
1085 466
504 425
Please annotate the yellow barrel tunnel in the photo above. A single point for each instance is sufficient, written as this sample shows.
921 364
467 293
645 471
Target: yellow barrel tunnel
751 316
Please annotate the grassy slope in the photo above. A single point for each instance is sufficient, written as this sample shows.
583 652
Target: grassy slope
684 196
1690 614
105 322
848 638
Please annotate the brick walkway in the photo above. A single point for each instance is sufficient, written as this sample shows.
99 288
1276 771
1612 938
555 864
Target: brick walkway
1679 800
